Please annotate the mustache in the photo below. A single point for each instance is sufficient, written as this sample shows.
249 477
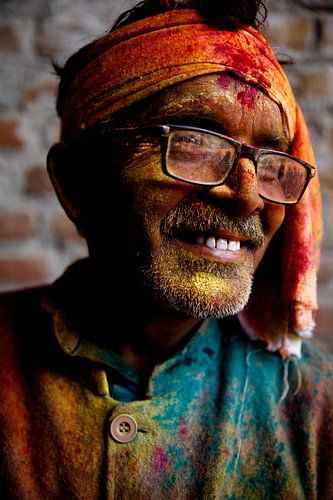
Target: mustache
197 217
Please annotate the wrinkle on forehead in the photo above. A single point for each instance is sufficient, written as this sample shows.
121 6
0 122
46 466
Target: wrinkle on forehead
247 93
221 99
212 86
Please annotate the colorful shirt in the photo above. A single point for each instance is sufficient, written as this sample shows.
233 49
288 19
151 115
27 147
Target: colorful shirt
221 419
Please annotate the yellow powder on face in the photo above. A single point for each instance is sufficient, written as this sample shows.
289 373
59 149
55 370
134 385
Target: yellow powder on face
219 289
214 289
206 280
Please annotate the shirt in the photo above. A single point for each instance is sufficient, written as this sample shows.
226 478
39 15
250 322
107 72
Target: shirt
221 419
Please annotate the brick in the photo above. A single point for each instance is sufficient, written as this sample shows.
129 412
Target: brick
326 179
294 33
324 320
64 230
331 138
37 181
314 82
53 39
326 41
10 137
17 225
23 271
32 94
324 328
9 41
66 32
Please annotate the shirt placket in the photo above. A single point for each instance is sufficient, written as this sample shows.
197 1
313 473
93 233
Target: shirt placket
131 438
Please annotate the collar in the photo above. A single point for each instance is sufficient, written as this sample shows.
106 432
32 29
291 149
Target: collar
198 354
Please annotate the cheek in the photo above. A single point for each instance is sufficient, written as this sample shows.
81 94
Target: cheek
272 218
148 194
140 183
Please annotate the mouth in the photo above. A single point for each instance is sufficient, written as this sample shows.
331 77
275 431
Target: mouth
218 245
210 241
206 232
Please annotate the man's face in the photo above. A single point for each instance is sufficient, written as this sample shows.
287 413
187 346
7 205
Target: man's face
169 230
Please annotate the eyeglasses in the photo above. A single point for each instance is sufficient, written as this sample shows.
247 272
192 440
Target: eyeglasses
207 158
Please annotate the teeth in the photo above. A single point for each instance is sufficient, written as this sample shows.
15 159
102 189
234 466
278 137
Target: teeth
219 244
233 246
210 242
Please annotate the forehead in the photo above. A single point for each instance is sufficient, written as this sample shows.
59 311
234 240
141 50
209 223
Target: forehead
221 100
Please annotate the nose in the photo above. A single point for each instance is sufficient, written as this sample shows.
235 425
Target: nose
239 195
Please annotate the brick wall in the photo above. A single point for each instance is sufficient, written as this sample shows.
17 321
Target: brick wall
36 240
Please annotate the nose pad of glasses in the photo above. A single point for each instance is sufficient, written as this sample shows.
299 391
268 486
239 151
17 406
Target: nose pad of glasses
249 152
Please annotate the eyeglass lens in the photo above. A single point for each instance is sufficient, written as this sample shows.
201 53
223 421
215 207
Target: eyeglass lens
201 157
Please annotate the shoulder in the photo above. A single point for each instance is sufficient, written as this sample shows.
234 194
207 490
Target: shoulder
20 318
12 304
316 367
309 412
311 389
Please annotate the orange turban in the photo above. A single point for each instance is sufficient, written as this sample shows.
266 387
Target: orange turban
149 55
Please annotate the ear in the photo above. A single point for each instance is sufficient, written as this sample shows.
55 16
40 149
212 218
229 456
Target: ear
63 169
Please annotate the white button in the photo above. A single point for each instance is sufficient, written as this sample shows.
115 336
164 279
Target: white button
123 428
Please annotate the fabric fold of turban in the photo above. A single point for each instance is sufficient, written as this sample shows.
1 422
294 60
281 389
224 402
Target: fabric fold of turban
147 56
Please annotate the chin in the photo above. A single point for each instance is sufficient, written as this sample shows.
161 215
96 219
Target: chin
196 287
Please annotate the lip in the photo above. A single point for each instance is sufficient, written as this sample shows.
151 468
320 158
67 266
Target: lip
222 256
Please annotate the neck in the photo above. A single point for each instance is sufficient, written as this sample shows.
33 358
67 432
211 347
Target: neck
156 340
139 331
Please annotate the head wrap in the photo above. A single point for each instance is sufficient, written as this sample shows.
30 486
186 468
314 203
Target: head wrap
149 55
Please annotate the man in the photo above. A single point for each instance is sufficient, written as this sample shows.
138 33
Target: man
151 370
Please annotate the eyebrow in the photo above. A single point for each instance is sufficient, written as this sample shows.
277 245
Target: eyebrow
278 142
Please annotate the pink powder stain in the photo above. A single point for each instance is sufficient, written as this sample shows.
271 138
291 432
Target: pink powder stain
216 299
244 62
225 81
250 173
189 49
220 49
183 430
247 97
160 459
303 261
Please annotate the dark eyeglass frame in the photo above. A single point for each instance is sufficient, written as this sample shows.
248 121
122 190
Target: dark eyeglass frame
241 151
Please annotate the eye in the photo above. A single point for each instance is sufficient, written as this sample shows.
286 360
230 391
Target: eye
268 172
187 139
